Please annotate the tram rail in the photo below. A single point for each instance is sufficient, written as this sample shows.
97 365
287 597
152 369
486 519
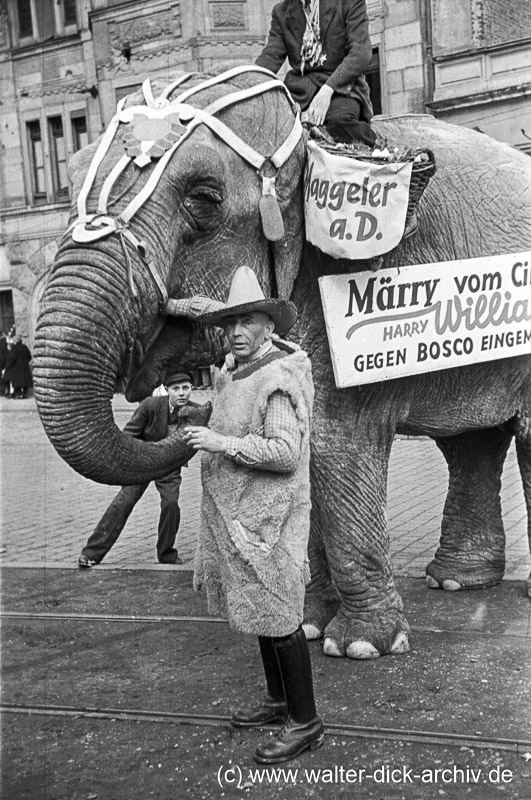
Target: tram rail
214 720
158 618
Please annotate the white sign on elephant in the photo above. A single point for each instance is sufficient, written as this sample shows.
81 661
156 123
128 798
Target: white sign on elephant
354 209
427 317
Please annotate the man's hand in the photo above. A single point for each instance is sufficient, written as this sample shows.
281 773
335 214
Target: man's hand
205 439
320 104
191 307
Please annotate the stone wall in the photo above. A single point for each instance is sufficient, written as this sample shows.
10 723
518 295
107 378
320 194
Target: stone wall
403 57
506 21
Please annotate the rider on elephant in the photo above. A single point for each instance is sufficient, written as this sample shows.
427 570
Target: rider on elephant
328 48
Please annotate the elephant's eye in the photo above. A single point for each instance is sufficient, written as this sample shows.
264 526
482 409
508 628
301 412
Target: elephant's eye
202 207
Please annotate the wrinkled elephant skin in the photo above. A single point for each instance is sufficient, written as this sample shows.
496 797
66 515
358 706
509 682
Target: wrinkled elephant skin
201 223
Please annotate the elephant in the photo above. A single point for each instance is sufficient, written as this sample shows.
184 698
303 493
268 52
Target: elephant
210 210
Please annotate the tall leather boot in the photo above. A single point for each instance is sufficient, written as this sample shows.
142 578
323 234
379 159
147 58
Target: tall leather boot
304 729
273 707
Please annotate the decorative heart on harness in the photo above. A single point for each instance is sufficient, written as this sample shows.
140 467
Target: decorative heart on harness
149 132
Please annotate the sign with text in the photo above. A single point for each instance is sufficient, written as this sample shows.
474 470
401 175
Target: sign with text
354 209
422 318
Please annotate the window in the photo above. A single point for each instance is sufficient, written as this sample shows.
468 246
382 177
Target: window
45 19
7 316
25 21
79 132
51 142
58 157
69 13
373 79
36 154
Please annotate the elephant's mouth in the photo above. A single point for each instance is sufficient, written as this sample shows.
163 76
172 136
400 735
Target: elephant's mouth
177 343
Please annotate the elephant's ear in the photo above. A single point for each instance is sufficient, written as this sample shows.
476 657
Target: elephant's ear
287 252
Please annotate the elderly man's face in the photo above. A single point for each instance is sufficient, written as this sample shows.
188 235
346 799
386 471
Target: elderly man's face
246 333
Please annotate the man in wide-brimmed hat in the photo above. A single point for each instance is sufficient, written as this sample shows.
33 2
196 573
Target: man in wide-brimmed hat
252 554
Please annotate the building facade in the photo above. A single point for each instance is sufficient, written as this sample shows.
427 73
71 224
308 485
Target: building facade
64 64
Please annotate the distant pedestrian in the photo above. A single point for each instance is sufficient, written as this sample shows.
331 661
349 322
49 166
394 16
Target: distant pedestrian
154 420
4 349
17 369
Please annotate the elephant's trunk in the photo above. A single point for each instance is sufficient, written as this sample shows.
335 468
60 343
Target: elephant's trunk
81 340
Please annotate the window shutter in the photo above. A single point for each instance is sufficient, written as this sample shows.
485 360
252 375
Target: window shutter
45 19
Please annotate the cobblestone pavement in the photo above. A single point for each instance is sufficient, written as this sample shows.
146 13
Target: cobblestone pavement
48 511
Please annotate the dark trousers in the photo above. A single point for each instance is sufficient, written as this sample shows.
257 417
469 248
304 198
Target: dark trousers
113 521
343 116
343 121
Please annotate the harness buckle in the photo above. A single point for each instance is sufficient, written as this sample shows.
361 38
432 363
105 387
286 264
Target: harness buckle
268 173
101 226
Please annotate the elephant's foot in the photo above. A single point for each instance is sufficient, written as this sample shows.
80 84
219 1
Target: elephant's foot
528 585
452 576
363 639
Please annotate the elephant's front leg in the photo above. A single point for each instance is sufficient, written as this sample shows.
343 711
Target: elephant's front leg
523 450
349 512
471 552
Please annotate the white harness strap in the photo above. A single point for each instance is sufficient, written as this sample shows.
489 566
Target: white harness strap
147 91
163 127
169 89
111 179
103 146
232 73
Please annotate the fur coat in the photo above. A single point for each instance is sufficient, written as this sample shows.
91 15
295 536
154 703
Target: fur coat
252 551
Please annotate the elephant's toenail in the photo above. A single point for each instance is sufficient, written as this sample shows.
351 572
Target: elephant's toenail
311 631
330 648
362 650
431 583
451 586
400 644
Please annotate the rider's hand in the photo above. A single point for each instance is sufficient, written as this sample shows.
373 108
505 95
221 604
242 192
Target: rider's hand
320 104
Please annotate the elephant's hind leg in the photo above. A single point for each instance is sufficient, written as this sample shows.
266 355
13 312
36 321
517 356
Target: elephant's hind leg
471 551
523 451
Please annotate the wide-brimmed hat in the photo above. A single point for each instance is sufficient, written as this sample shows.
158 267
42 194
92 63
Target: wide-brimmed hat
245 294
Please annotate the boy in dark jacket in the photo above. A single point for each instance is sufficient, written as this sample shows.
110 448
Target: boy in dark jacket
154 419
